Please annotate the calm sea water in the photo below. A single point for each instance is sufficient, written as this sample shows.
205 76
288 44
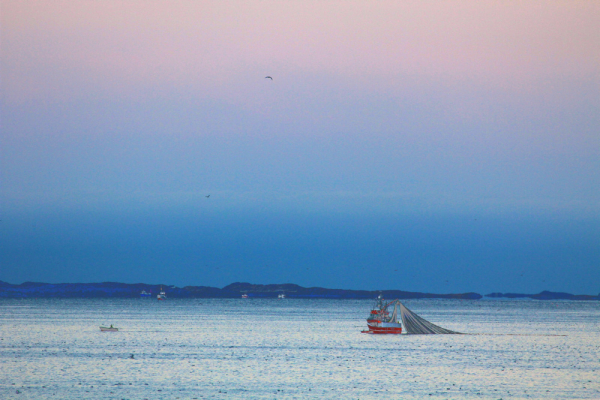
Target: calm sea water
295 349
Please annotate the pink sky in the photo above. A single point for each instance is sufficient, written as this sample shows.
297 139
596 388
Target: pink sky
61 50
452 112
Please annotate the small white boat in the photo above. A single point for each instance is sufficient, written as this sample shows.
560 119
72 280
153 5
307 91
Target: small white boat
244 296
108 329
281 296
145 294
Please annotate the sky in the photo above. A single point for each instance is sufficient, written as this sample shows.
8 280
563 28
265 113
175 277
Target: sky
418 145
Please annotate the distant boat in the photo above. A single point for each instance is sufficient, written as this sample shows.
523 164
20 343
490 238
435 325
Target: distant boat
145 294
281 296
108 329
244 296
162 295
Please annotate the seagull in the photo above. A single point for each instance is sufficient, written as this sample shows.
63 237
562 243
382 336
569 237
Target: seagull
207 196
268 77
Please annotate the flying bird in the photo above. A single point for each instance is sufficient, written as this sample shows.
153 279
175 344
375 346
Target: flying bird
268 77
207 196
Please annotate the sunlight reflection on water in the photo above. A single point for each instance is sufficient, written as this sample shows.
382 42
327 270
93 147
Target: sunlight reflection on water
270 348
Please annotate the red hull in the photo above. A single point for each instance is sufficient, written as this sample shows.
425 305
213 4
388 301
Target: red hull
383 331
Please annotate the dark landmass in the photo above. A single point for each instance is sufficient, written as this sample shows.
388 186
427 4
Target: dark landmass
235 290
295 291
545 295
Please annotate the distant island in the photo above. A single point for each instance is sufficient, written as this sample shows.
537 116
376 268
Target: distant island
236 290
545 295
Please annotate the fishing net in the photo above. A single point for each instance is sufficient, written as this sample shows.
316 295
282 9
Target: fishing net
413 324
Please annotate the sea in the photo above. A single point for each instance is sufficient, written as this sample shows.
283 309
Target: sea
295 349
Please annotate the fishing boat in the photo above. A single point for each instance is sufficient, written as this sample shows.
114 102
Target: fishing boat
108 329
380 320
162 295
145 294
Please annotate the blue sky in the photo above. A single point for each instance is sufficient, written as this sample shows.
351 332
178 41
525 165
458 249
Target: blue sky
416 146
